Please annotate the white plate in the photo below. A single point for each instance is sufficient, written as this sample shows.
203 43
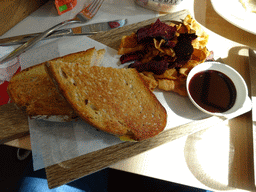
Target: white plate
234 12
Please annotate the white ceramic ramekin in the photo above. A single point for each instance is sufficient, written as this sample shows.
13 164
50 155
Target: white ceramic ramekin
236 78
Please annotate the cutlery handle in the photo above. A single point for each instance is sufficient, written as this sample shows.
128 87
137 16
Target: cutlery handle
24 38
31 42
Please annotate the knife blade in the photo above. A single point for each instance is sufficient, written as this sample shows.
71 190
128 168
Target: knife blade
81 30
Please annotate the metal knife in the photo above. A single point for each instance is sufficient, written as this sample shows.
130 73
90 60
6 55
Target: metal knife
82 30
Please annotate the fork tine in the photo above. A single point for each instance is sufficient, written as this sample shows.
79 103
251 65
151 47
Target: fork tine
94 7
92 4
90 10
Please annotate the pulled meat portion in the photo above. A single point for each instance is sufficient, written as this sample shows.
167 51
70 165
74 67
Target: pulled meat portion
164 54
157 67
136 55
164 48
184 48
158 29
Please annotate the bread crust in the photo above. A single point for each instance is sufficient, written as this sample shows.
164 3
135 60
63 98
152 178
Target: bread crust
113 100
34 92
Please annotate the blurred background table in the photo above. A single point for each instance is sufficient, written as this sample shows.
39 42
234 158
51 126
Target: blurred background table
219 158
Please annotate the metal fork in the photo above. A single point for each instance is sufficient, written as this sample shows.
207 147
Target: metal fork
82 17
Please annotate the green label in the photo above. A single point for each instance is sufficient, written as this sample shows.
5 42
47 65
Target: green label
63 8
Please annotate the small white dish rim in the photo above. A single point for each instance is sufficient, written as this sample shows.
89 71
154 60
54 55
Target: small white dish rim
242 103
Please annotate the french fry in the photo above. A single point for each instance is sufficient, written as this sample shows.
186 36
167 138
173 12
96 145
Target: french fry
172 85
149 80
171 74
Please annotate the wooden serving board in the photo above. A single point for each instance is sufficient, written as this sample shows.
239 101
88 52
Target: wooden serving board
14 124
16 10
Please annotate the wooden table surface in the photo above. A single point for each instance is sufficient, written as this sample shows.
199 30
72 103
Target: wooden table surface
216 158
15 11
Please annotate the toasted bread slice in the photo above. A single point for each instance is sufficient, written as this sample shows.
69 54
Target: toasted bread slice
113 100
33 91
90 57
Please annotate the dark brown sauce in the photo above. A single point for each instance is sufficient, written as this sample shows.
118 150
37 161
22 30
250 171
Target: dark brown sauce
213 91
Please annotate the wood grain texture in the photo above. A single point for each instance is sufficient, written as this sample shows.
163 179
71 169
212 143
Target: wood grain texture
81 166
13 11
76 168
113 38
13 123
22 142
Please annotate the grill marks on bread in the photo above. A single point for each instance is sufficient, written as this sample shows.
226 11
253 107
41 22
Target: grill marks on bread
113 100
